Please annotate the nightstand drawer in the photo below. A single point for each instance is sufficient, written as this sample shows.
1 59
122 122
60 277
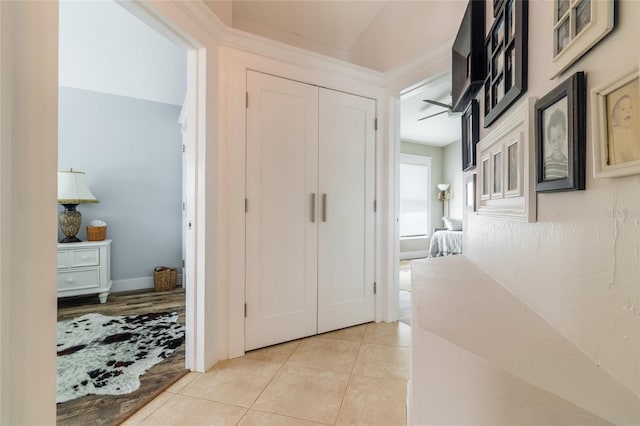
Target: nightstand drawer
62 259
76 258
89 257
88 278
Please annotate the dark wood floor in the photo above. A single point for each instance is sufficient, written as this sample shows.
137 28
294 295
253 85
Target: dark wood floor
113 409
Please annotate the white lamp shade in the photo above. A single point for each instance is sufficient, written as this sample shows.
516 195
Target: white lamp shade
443 186
72 188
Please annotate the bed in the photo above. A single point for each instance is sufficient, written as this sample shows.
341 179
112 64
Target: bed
445 242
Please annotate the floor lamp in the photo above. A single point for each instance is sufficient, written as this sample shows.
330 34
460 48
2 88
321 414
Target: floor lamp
443 196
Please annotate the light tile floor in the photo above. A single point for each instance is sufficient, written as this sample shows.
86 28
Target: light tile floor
355 376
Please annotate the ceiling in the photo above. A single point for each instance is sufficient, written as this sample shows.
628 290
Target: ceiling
440 130
377 34
337 24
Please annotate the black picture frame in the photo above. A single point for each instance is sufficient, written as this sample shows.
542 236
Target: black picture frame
467 56
506 59
470 135
561 159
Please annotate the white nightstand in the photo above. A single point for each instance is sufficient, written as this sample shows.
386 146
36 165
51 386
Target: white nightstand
84 268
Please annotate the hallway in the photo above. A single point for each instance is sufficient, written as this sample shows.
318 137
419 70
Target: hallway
357 375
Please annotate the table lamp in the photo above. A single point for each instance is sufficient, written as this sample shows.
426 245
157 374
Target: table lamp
72 190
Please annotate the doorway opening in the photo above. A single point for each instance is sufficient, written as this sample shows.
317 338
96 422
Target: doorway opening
429 132
125 118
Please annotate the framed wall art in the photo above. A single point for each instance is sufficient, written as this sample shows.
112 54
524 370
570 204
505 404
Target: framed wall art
561 137
616 127
470 192
512 169
506 61
505 168
578 25
467 57
470 135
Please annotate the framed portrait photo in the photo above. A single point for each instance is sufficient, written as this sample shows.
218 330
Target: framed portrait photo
578 25
616 127
561 137
470 135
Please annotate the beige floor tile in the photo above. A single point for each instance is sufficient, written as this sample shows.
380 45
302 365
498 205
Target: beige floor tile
261 418
304 393
371 401
184 410
184 381
326 354
388 333
387 362
352 334
237 381
147 410
276 353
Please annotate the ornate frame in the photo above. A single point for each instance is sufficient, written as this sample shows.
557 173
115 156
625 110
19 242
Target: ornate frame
515 199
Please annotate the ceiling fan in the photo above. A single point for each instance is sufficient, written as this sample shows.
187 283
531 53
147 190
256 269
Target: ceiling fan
448 108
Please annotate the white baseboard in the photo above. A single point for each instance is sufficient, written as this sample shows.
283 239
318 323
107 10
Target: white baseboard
137 284
414 254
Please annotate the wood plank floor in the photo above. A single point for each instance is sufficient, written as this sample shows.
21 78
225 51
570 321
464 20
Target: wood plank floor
113 409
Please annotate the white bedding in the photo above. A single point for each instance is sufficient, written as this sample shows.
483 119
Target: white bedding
444 243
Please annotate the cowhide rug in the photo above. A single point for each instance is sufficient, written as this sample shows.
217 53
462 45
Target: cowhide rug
104 355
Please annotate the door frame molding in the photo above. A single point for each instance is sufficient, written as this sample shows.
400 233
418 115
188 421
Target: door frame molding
418 72
203 346
235 63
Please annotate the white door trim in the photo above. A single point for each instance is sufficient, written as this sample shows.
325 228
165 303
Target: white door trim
203 347
425 68
235 65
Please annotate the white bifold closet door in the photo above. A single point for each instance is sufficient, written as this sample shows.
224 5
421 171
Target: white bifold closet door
346 235
309 222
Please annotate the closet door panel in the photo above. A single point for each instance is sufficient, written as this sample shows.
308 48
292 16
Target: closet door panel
281 259
346 233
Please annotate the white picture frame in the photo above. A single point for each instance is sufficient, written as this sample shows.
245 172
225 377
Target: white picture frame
616 148
497 197
601 21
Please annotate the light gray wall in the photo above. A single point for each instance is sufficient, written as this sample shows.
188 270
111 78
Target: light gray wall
130 150
452 174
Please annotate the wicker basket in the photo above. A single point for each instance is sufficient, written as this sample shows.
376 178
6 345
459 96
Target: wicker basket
164 278
96 233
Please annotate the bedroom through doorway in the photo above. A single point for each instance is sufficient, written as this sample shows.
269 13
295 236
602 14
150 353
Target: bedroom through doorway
428 160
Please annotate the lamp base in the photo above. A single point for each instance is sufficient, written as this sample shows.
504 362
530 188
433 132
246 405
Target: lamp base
70 220
70 240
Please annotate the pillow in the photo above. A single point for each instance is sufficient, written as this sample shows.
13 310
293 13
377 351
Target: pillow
452 224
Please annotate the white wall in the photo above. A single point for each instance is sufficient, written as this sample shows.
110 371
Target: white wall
578 266
28 149
105 48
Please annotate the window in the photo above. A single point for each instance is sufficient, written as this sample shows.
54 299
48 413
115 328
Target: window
415 193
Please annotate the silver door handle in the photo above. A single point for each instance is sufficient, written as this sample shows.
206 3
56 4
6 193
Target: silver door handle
324 207
313 208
